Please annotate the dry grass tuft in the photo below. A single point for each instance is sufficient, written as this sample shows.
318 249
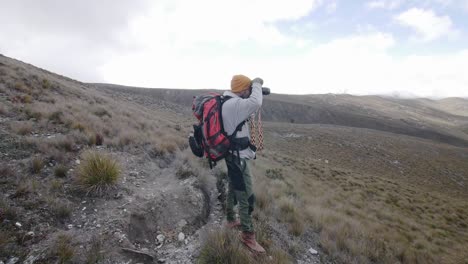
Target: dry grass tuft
60 209
45 84
32 114
60 171
23 189
184 172
275 174
22 128
223 247
56 185
97 173
63 249
101 112
291 215
3 110
56 117
95 253
98 139
6 172
37 164
168 147
7 212
79 126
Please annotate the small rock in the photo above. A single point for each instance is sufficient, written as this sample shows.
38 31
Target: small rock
70 226
12 260
313 251
181 236
160 238
18 224
77 162
98 225
182 223
30 233
84 208
161 260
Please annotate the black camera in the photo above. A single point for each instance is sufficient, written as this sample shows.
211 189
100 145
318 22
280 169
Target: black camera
265 90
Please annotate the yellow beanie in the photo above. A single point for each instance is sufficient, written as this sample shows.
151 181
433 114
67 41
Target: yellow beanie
240 83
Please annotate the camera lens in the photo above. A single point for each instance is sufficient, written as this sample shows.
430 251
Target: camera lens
265 91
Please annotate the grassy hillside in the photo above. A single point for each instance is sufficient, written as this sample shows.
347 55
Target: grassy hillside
102 173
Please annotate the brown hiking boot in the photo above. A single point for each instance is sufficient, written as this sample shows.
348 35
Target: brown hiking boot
233 224
248 238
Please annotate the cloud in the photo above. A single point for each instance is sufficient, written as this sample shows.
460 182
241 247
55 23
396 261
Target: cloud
384 4
332 6
66 37
465 5
187 44
427 24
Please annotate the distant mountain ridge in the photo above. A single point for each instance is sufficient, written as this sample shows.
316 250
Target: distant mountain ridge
444 120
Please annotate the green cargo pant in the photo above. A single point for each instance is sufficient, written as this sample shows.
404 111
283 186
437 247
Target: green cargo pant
240 191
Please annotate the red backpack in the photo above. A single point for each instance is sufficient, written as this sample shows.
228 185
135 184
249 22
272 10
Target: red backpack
209 138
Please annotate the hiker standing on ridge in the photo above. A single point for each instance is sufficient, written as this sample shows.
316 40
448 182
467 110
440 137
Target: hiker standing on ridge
245 99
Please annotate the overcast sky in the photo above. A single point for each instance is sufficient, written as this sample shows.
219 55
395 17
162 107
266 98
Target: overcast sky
401 47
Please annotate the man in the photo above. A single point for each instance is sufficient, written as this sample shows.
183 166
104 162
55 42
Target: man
245 99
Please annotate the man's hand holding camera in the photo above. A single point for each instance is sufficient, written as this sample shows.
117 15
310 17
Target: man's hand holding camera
265 90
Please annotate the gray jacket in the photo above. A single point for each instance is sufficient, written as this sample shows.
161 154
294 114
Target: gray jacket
237 109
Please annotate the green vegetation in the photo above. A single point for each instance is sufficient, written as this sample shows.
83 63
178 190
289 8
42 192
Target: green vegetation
97 173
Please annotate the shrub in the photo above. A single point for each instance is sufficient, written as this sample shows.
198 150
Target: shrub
97 173
60 171
63 249
36 165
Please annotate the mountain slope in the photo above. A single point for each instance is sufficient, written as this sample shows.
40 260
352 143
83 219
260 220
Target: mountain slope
414 117
363 180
